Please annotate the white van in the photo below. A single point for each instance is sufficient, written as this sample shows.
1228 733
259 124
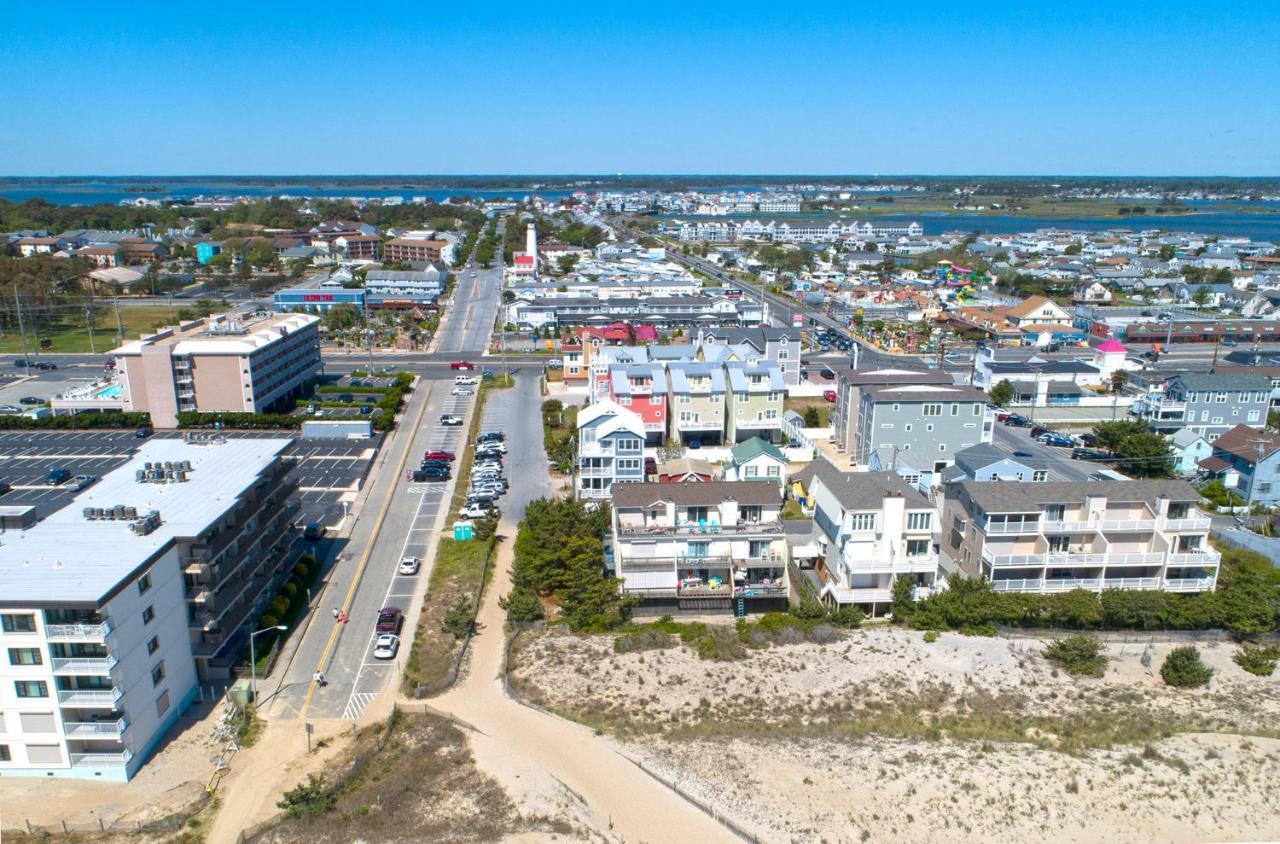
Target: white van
465 379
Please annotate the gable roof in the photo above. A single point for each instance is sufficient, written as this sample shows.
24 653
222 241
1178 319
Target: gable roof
1248 444
631 494
754 447
860 490
1024 308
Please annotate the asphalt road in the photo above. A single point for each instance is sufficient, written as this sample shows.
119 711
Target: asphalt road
396 519
1061 466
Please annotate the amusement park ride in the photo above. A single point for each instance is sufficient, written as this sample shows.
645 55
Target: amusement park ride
960 282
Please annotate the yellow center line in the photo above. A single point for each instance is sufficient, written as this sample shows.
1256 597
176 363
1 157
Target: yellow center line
368 550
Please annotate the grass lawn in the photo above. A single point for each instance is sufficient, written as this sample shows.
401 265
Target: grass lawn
799 405
457 575
69 336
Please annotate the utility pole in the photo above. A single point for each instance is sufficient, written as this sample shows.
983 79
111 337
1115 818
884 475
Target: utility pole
119 323
368 335
22 333
1216 346
88 321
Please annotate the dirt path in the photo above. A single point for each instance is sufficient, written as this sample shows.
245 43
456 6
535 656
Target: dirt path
517 740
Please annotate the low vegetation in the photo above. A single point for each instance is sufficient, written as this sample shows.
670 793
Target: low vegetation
1258 659
559 433
721 643
1246 602
1184 669
1078 655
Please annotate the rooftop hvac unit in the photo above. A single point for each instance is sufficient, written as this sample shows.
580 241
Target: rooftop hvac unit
117 511
182 476
99 513
140 476
88 513
131 512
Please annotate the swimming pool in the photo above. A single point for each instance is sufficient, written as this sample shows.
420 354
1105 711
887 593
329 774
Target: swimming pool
111 392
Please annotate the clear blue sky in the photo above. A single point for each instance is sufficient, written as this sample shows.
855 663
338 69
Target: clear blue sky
689 87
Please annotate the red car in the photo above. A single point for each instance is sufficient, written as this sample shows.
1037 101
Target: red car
829 395
439 455
462 364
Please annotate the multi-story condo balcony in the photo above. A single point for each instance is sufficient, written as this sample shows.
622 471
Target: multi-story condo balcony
1054 537
88 665
90 698
102 760
80 632
104 730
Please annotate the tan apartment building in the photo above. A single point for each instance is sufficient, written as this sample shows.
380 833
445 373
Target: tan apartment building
697 403
220 364
1059 536
413 249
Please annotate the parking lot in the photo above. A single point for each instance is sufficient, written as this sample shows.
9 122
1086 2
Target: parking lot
329 472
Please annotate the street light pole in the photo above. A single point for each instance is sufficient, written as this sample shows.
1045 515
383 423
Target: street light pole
253 660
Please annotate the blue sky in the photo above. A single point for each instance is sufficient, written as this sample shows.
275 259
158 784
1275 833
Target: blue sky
692 87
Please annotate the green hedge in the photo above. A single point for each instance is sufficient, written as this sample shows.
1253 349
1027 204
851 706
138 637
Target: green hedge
1247 601
76 420
338 388
257 421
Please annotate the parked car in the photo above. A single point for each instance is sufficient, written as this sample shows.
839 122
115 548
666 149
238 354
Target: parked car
693 443
143 432
492 445
1037 430
555 363
433 473
366 409
462 364
1228 341
1088 439
409 565
465 380
313 532
1016 420
461 391
1058 440
56 477
346 397
79 482
1002 415
389 620
491 436
650 466
450 420
829 395
439 455
31 400
9 410
1088 454
442 465
386 647
477 511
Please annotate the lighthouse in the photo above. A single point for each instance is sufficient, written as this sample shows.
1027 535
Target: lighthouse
531 243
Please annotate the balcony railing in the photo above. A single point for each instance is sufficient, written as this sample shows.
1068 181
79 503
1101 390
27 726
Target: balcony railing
100 666
1203 557
1128 524
90 698
101 760
1188 584
95 729
698 529
1198 523
1131 583
766 561
903 562
1068 526
1064 584
1135 558
859 596
758 590
78 632
1032 526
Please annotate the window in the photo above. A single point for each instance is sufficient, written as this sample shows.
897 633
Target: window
773 471
30 688
157 674
955 409
896 407
144 583
5 755
1264 487
911 479
919 521
1039 475
932 409
1217 420
25 656
751 471
929 427
153 645
977 410
886 425
864 521
942 446
1253 416
18 623
162 704
1220 398
148 614
685 399
906 427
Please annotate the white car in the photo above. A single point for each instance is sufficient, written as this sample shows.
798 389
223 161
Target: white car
475 511
409 565
460 391
450 420
465 380
387 646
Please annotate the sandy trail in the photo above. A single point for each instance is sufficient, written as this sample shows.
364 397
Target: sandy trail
517 740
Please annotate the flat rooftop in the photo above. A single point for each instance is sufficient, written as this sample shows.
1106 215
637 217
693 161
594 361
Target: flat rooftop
68 559
221 334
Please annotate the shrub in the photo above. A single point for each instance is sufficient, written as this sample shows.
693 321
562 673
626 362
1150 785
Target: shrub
279 606
644 639
721 645
289 589
1079 655
458 620
1260 660
931 635
1183 669
308 798
822 634
267 620
808 609
522 606
848 617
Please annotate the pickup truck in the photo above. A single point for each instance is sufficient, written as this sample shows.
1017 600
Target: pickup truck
462 364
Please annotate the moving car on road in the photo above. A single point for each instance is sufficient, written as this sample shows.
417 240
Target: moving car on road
31 400
409 565
387 646
450 420
462 364
461 391
465 380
